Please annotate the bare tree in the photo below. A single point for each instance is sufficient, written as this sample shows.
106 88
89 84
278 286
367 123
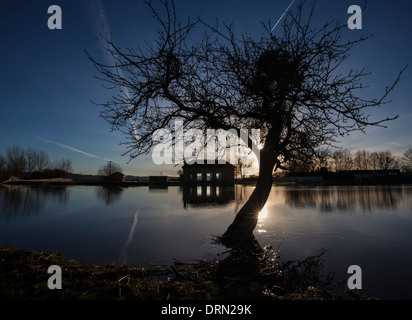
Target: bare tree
67 165
407 160
108 169
2 165
31 157
15 161
386 160
64 165
342 160
299 166
361 159
42 161
245 161
374 161
324 160
292 87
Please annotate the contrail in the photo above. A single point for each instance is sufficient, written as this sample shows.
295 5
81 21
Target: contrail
282 15
65 146
102 25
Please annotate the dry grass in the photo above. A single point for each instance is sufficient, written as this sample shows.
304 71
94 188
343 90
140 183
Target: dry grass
23 275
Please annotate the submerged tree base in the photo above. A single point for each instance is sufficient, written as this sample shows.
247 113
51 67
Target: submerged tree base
244 274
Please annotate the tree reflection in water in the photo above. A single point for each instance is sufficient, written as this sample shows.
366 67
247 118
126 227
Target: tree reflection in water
346 199
247 267
19 200
248 263
109 195
333 198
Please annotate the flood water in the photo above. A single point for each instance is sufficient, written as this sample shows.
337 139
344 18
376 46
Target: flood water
368 226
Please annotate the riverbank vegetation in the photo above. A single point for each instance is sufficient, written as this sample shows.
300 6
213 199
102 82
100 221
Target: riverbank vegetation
241 275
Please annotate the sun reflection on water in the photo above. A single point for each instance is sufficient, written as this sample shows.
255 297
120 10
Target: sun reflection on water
262 214
261 217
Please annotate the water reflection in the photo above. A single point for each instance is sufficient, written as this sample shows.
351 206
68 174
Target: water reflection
145 226
124 253
207 195
109 195
19 201
348 199
333 198
263 213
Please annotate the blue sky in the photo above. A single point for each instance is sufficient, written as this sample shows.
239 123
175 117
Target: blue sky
47 83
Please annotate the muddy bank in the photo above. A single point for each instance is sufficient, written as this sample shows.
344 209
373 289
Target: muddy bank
23 275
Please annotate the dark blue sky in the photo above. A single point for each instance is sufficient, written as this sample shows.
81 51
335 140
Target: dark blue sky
47 83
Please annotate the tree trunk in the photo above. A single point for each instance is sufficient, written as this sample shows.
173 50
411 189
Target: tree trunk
241 229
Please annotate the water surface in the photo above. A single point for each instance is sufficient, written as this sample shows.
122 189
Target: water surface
369 226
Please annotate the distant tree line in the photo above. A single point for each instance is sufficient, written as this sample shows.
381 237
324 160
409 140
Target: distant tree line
28 163
343 160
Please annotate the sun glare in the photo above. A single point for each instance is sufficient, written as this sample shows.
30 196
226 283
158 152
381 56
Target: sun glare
262 214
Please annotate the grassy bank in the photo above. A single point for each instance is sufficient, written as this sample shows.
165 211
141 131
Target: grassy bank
23 275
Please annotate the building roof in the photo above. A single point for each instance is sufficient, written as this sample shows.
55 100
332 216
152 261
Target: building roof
117 173
216 164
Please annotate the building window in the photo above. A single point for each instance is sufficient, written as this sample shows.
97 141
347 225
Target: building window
217 191
218 176
199 191
199 177
208 176
208 191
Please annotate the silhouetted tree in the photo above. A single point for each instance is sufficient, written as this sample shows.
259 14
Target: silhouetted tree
374 161
361 160
15 161
343 160
407 160
245 161
31 157
64 165
109 168
2 167
387 161
299 165
323 160
42 161
292 87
